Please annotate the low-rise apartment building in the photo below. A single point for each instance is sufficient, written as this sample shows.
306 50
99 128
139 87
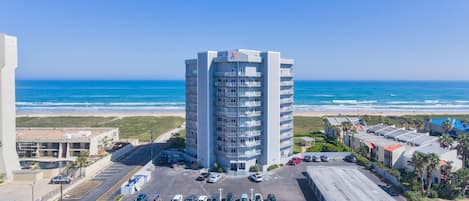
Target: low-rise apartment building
63 143
395 147
333 125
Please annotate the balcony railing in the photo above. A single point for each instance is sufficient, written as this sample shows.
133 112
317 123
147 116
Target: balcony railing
286 73
250 94
286 109
250 144
286 100
286 83
250 124
286 92
240 74
250 104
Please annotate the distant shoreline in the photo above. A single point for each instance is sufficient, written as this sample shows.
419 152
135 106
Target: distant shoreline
182 114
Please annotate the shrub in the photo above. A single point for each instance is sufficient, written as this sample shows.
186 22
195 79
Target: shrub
433 194
119 197
254 168
362 160
272 167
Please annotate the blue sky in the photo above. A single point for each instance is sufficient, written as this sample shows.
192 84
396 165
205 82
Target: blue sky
353 40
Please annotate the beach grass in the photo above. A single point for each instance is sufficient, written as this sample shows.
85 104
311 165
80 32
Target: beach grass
62 121
307 125
136 127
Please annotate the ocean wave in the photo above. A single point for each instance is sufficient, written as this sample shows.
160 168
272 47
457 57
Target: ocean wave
461 101
322 95
354 101
431 101
91 104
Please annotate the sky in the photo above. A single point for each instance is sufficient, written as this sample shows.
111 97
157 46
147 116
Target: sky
329 40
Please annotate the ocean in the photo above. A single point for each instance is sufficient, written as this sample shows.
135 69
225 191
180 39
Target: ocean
50 96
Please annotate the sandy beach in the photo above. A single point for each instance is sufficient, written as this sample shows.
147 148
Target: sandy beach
297 113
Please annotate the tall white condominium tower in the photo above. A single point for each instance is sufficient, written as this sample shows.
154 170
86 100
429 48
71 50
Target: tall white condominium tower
239 108
8 62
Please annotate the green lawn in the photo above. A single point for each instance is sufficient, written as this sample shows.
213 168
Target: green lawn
129 127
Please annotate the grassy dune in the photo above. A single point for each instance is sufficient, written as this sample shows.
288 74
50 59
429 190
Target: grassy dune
130 127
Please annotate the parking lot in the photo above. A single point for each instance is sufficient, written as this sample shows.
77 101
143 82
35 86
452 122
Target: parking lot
287 183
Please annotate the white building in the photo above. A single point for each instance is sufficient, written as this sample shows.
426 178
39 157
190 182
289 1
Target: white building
8 63
239 108
63 143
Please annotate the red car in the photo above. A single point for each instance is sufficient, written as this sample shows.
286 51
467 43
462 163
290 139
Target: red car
294 161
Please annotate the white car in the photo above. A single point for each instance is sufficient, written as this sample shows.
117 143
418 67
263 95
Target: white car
214 178
177 197
244 197
202 198
256 177
258 197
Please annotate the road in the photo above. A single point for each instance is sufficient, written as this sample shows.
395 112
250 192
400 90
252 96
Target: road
106 184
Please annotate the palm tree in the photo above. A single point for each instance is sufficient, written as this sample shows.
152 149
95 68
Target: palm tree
418 124
337 132
433 163
446 141
81 163
418 161
346 126
447 126
461 178
463 147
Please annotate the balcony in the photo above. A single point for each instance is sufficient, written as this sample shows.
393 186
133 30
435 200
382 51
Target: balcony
250 94
250 153
250 144
239 74
250 124
286 73
286 83
249 133
286 127
286 100
286 109
250 104
286 92
286 118
286 143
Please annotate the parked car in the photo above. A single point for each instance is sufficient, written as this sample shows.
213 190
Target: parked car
202 198
256 177
141 197
155 197
324 158
271 197
60 180
202 176
191 198
308 158
229 197
244 197
258 197
178 197
316 159
294 161
350 158
214 178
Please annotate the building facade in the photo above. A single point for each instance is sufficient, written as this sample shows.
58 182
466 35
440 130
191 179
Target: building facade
64 143
239 108
8 63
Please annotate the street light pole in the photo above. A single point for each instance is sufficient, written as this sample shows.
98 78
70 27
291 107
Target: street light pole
220 190
32 191
252 193
61 191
